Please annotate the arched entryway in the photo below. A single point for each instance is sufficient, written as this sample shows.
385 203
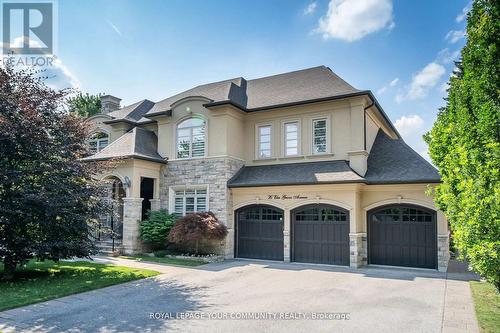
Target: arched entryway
259 232
320 234
402 235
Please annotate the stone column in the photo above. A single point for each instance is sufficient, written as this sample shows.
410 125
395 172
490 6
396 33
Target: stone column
155 204
229 244
132 211
358 250
443 252
286 236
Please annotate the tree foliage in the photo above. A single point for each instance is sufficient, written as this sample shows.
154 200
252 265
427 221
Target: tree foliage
465 144
154 230
85 105
194 228
47 194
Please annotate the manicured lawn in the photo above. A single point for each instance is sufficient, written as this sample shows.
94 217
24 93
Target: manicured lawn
169 261
487 303
42 281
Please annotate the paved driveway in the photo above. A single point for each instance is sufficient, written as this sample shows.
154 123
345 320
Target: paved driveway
375 299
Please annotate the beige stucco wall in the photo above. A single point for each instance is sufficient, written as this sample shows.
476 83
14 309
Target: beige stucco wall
98 125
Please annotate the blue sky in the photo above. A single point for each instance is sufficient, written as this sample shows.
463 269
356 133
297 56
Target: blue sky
401 50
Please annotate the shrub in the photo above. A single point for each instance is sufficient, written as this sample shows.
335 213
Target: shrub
154 230
160 253
193 229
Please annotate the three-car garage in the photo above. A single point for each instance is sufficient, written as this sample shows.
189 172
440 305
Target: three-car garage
397 235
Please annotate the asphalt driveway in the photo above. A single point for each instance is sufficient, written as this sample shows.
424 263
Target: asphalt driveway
285 297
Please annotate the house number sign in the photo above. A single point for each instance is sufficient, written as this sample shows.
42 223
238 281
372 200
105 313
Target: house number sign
286 197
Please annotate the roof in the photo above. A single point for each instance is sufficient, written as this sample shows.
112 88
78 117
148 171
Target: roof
391 161
309 85
132 113
137 143
326 172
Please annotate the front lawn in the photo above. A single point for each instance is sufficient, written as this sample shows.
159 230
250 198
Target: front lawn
42 281
165 260
487 304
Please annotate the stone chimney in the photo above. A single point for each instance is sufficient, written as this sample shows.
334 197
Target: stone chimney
110 103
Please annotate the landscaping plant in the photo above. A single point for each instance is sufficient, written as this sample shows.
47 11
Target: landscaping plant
465 145
193 229
155 229
48 196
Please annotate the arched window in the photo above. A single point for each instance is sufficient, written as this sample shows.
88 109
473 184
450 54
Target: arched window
98 142
191 138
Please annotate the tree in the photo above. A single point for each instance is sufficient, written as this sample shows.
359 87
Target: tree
154 230
195 228
465 145
85 105
48 198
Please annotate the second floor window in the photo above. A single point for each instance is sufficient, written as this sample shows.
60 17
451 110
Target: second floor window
319 136
98 142
291 139
191 138
264 133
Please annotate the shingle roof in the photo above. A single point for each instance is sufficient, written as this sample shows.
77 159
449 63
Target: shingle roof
390 162
132 113
137 143
250 95
393 161
327 172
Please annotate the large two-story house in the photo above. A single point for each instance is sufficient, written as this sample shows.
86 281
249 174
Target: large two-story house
300 166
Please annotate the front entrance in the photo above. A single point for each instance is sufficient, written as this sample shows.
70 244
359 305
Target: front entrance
259 232
320 234
402 235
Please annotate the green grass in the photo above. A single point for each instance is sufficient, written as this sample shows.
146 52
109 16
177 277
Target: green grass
42 281
168 261
487 304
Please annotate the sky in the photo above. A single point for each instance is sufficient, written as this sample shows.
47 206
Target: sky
401 50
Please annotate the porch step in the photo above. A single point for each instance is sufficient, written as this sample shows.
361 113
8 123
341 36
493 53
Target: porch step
106 246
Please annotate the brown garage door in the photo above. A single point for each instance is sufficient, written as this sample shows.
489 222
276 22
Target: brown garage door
402 235
259 233
320 235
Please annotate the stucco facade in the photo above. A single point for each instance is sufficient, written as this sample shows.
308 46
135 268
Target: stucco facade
352 173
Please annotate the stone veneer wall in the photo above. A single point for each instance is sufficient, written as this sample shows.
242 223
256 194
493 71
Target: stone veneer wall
443 252
214 172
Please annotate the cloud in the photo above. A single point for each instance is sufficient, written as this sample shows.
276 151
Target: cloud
422 82
351 20
114 27
463 15
454 36
311 8
445 56
56 74
407 125
391 84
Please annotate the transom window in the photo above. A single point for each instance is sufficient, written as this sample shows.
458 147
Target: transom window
292 138
98 142
191 138
264 133
190 201
319 136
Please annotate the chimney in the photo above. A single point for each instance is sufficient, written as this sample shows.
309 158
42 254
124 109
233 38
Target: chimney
110 103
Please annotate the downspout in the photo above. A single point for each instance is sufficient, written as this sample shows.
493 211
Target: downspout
364 122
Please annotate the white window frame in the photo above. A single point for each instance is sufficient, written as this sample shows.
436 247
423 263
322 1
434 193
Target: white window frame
190 153
98 141
284 138
328 135
172 197
257 141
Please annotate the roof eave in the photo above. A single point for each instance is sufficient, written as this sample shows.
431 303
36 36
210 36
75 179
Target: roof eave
133 156
167 113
